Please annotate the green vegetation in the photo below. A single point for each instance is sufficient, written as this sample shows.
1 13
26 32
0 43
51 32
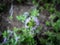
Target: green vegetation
19 36
25 35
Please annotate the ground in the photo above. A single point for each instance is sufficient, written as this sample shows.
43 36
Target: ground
20 9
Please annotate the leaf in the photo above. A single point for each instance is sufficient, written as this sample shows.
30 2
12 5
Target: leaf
47 23
58 36
56 26
4 34
52 17
34 12
21 18
43 41
18 18
49 43
15 29
57 14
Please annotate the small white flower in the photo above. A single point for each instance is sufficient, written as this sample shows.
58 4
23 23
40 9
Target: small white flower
35 20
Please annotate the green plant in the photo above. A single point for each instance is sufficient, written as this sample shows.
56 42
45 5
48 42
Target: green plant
50 40
19 36
34 12
34 1
43 41
52 16
21 18
47 23
57 14
31 23
49 7
56 26
41 9
53 38
51 35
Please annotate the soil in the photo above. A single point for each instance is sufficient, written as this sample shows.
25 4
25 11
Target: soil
20 9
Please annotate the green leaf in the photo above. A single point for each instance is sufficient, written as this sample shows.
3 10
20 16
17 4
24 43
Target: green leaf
21 18
49 43
15 29
52 16
58 36
56 26
34 12
18 17
57 14
43 41
4 34
47 23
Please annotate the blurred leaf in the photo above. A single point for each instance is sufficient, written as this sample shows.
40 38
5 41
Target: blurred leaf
56 26
43 41
34 12
57 14
52 16
21 18
49 43
47 23
15 29
58 36
4 34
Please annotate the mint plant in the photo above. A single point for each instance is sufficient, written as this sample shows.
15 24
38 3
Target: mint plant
14 38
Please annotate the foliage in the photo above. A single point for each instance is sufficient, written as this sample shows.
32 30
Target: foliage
56 26
52 16
47 23
34 12
21 37
31 23
54 36
53 39
43 41
21 18
57 14
25 36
